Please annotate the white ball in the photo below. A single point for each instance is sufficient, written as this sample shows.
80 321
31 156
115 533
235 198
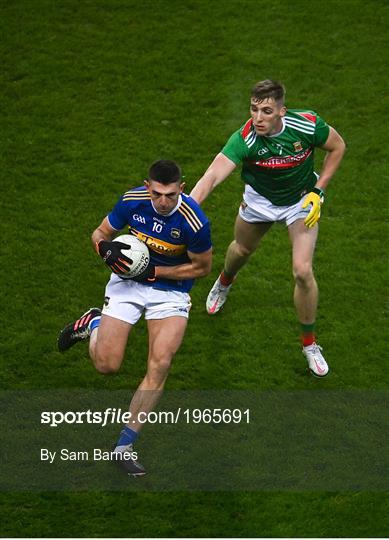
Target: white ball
137 252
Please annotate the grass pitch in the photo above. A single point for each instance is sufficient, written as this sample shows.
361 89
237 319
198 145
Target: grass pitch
92 93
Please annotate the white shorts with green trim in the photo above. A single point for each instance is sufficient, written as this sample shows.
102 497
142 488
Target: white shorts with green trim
257 209
127 300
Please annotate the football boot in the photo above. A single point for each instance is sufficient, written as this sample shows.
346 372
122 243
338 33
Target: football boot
127 463
217 297
316 362
77 330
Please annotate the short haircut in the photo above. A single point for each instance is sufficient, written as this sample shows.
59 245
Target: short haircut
269 89
165 172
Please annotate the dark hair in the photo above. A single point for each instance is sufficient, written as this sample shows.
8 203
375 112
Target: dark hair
165 172
269 89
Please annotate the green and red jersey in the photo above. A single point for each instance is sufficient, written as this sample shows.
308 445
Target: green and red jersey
279 166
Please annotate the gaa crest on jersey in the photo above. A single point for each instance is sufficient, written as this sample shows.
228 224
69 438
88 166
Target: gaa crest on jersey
137 217
175 233
297 146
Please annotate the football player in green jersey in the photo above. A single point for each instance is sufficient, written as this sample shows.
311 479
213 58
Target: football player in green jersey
276 147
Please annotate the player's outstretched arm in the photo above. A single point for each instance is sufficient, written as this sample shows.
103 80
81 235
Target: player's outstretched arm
220 168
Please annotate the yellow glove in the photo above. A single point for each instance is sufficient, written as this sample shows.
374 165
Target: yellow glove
316 199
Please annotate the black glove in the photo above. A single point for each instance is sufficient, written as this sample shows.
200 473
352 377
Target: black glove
148 275
112 255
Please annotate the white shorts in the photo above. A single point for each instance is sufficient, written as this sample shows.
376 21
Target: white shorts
127 300
255 209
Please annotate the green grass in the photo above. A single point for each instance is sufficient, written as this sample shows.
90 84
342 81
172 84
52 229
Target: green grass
195 515
92 93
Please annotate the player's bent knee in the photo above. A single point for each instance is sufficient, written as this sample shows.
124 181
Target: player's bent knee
242 250
106 369
303 273
107 364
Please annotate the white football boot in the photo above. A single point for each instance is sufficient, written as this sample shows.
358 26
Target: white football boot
316 362
217 297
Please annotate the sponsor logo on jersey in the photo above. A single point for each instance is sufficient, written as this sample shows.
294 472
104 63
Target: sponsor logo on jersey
159 246
297 146
175 233
287 162
137 217
262 151
158 220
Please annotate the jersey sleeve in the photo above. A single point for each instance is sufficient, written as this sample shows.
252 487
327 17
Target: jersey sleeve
118 217
235 148
201 241
322 131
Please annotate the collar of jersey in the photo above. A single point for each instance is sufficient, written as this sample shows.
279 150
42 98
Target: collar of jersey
170 213
281 130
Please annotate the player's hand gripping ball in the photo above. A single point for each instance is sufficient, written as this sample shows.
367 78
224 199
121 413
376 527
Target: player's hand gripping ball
125 255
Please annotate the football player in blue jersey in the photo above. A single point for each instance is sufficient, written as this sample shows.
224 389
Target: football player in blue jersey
178 236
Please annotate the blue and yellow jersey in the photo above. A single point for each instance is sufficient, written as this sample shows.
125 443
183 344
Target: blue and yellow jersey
168 238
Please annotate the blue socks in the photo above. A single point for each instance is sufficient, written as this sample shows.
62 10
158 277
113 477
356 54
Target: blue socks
94 323
127 436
